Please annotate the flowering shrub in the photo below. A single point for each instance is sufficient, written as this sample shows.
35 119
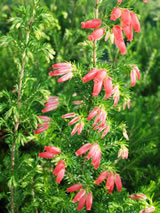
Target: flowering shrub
77 98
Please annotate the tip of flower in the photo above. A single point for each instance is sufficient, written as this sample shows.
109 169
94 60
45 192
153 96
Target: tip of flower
76 154
91 38
94 94
82 25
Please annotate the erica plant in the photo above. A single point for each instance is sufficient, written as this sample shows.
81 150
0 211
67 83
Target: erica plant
68 111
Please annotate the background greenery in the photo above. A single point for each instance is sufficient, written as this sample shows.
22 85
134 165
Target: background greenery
57 36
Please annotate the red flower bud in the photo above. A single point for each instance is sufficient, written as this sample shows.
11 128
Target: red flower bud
74 187
52 149
97 34
135 22
89 76
116 13
89 201
46 155
79 195
91 24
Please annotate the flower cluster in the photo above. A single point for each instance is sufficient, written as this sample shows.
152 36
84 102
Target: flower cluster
93 24
44 126
51 152
59 171
100 120
123 153
62 69
51 104
129 20
78 127
100 79
82 196
94 153
110 181
138 197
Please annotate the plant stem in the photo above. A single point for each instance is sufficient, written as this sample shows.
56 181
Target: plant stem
94 43
17 122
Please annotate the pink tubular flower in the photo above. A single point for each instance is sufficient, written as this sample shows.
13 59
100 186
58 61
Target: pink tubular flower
89 201
81 126
60 175
121 46
135 73
97 87
79 195
69 115
128 32
93 113
61 71
81 203
110 183
108 87
65 77
145 1
60 165
138 196
46 155
91 24
44 118
74 120
100 76
117 31
116 13
118 183
41 129
44 126
75 129
51 104
102 177
83 149
147 210
96 34
59 171
133 78
89 76
96 158
52 149
127 103
135 22
74 187
123 153
77 102
61 65
106 130
116 95
125 18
